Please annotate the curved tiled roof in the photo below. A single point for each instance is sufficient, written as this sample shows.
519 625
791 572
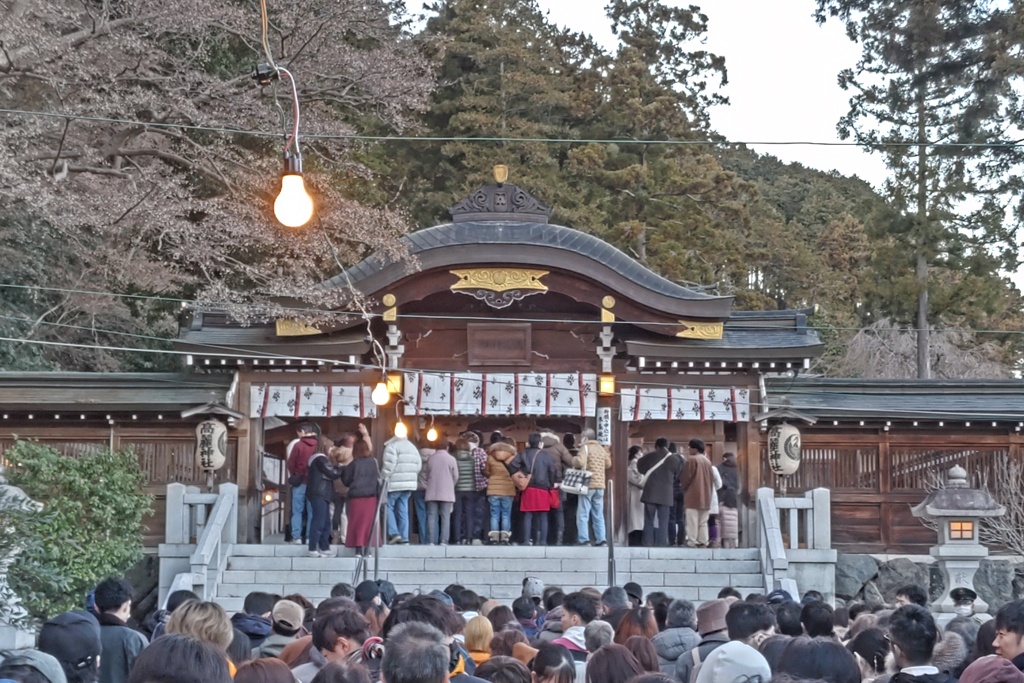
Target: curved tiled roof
518 233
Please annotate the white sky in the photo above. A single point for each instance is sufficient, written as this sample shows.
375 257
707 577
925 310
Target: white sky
782 75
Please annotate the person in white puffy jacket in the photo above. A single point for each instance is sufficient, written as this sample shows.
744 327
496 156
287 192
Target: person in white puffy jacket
400 470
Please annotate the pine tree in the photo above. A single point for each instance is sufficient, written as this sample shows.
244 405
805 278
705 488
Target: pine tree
934 93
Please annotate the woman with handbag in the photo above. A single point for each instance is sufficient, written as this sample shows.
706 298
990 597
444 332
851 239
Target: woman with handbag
361 477
535 475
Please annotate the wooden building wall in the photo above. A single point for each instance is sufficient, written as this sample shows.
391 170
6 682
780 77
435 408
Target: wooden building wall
876 476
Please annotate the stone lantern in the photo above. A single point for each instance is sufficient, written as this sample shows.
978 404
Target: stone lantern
956 511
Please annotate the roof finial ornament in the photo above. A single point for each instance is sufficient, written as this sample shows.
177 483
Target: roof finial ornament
500 174
957 477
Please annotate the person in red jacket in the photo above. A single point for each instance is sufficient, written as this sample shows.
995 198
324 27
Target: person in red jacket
300 451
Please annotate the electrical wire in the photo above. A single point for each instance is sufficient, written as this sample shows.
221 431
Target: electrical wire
265 30
294 139
504 139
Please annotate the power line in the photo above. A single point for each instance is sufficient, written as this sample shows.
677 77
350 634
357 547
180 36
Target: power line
361 137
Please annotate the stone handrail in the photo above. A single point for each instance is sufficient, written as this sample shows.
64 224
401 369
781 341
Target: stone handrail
808 519
212 519
774 564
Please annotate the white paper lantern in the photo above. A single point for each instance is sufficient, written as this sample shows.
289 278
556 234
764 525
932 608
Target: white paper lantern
211 445
784 449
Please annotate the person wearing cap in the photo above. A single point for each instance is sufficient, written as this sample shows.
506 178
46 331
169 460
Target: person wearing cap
21 665
120 644
73 638
635 591
533 588
712 628
735 661
286 619
963 605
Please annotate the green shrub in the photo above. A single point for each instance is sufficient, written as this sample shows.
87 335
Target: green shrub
90 526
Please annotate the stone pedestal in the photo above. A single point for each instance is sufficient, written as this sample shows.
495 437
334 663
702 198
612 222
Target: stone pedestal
14 638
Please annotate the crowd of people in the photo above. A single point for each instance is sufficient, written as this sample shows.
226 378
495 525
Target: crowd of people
371 633
470 492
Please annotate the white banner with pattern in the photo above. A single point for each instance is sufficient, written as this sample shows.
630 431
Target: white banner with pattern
524 393
311 400
729 404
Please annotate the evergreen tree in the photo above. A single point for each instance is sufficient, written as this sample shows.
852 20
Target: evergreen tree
936 93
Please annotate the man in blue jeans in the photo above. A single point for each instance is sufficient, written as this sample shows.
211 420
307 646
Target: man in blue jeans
299 452
400 469
594 458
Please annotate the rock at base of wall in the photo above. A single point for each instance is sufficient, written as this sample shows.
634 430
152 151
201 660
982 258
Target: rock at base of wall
852 572
994 583
899 572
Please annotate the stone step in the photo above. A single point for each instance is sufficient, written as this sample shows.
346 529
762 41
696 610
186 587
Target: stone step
692 574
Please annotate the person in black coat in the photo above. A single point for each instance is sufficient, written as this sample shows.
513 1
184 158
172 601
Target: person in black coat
319 492
535 501
661 467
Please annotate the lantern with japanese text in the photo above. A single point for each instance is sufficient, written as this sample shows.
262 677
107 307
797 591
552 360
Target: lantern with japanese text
784 449
211 445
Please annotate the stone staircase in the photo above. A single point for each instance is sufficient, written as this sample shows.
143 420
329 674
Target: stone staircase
691 574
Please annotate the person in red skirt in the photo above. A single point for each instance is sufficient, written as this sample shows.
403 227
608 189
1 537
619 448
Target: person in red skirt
535 501
360 476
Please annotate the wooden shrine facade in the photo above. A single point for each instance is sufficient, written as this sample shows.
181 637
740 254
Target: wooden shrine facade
509 322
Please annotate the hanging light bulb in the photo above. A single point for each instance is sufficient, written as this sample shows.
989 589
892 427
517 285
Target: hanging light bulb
380 394
293 206
431 434
401 431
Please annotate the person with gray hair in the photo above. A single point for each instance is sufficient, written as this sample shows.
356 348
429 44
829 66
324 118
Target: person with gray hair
594 458
679 636
415 652
596 634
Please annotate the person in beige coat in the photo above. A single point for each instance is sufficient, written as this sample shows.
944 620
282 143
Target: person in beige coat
594 458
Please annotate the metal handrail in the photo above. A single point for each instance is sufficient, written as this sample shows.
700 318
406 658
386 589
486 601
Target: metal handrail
609 533
361 561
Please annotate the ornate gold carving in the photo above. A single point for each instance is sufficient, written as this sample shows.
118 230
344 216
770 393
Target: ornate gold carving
607 316
608 301
293 328
389 299
500 173
697 330
390 315
499 279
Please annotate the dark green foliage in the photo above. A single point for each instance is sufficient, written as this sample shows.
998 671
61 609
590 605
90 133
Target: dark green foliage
90 526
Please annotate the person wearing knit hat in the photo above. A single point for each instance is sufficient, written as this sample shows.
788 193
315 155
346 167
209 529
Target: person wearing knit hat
712 628
367 593
533 588
73 638
734 662
992 669
13 663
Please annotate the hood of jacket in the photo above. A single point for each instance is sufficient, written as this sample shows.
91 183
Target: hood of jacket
549 439
673 642
256 627
502 452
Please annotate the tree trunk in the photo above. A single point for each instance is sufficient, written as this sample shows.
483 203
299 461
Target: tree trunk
923 347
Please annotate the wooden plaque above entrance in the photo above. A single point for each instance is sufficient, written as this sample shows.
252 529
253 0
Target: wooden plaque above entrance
491 344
